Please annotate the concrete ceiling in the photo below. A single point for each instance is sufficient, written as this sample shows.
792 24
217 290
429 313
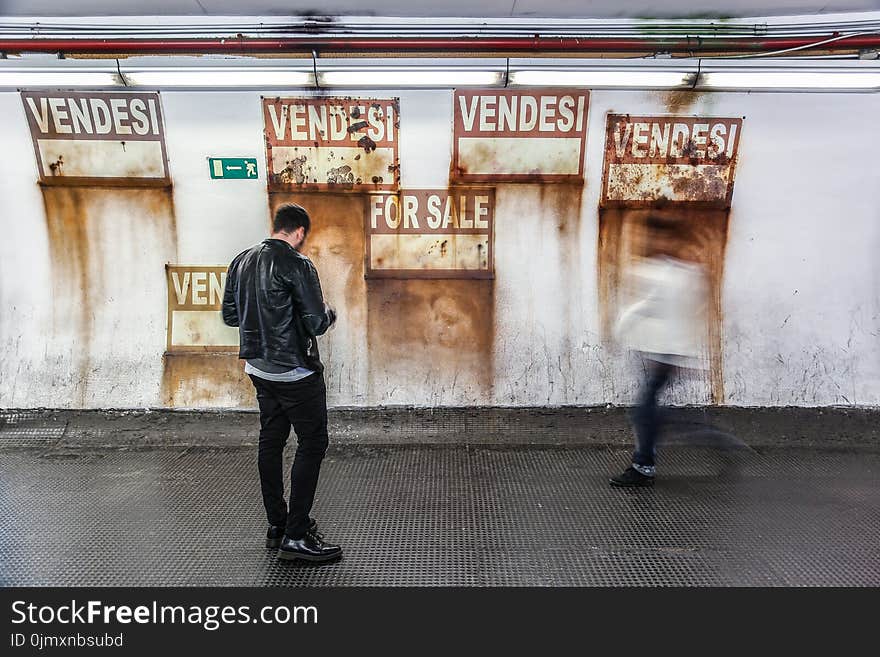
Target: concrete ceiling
438 8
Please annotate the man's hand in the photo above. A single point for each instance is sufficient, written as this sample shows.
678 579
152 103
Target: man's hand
331 313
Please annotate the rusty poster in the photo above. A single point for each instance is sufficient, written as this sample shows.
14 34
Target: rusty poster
338 144
195 297
431 233
669 158
519 136
96 138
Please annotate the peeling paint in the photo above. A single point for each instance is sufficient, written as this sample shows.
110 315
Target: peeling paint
331 144
651 159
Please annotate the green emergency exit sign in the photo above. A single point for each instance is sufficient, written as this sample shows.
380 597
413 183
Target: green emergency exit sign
232 167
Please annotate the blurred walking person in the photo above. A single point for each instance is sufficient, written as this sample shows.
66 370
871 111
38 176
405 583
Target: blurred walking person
273 295
665 322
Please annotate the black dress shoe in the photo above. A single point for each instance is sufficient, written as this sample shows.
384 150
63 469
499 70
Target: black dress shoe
274 535
276 532
631 478
310 547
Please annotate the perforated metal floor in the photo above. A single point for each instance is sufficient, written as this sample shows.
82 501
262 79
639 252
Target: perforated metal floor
440 516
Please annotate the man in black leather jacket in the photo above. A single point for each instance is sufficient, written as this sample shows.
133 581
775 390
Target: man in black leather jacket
274 297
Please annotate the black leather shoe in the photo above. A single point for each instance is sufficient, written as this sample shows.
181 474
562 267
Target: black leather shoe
631 478
276 532
310 547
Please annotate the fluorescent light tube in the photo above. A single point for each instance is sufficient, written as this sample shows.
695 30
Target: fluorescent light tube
792 80
597 78
218 78
410 77
58 79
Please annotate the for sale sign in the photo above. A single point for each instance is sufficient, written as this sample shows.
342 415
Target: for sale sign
195 299
339 144
97 138
519 136
431 233
670 158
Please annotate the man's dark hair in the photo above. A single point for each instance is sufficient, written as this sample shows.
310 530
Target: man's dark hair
289 217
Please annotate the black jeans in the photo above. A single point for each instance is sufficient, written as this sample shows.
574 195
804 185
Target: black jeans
646 416
302 404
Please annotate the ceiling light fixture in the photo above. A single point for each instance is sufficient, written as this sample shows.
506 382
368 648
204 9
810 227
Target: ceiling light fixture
57 78
219 78
804 75
410 77
609 79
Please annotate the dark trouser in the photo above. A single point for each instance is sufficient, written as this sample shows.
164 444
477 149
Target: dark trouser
302 404
646 417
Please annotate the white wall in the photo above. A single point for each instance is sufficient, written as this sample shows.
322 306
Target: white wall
801 291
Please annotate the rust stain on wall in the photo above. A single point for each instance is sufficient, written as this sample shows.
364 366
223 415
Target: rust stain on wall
440 332
680 100
702 237
610 258
431 330
191 380
682 167
336 246
88 243
67 224
564 202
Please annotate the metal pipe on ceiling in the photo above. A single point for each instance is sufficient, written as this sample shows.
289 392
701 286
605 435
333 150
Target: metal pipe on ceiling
241 45
385 27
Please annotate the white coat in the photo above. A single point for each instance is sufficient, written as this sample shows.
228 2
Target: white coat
665 313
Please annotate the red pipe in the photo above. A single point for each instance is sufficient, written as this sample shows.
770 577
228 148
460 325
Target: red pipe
247 45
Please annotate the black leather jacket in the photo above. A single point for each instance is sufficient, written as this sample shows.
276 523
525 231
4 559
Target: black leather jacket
274 296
